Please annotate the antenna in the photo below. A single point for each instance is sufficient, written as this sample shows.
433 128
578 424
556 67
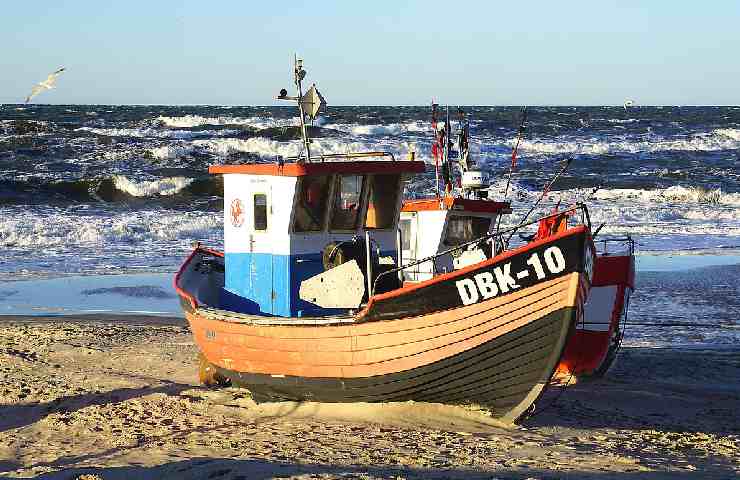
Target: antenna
309 104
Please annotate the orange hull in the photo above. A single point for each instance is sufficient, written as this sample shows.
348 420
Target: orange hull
499 351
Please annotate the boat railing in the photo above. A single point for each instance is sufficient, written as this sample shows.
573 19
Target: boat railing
497 240
348 156
625 244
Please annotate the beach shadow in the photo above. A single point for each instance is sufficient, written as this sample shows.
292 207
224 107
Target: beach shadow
8 466
665 405
659 389
603 405
18 416
231 469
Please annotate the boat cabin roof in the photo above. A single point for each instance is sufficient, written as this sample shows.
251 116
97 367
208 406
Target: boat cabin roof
456 203
321 168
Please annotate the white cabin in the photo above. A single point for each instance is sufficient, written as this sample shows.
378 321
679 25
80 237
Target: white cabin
431 226
283 221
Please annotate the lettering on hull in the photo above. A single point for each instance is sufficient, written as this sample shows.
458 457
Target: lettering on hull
486 285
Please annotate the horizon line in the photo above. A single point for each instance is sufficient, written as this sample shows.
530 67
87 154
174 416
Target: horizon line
360 105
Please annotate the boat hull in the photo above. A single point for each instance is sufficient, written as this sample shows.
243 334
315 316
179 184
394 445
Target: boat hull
506 374
431 342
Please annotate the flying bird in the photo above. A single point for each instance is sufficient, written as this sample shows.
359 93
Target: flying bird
47 84
628 103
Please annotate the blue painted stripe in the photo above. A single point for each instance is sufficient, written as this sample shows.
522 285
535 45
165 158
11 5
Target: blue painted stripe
267 284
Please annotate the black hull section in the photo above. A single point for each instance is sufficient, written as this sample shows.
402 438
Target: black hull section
445 295
506 374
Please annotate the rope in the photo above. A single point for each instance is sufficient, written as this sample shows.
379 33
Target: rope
675 324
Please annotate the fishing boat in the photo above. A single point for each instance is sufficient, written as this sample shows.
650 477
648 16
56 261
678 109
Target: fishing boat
592 349
309 301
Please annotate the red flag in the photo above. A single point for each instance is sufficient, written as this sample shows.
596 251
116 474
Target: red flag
513 159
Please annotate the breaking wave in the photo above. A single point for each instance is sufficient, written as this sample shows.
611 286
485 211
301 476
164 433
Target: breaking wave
733 133
164 186
386 129
79 227
723 139
117 188
190 121
270 149
672 195
153 133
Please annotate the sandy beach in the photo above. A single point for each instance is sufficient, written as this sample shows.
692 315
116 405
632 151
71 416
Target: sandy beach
117 397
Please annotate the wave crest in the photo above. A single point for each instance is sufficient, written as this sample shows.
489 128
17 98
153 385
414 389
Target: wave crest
191 121
164 186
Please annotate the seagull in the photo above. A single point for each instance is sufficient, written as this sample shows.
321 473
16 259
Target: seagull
47 84
628 103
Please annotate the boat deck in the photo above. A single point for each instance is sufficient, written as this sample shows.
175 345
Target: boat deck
243 318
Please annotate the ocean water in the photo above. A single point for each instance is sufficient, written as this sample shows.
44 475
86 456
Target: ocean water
100 189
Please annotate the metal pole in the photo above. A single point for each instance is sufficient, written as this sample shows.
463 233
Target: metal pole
545 191
306 140
369 266
399 253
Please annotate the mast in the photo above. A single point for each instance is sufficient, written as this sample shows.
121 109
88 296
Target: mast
299 73
446 170
435 147
462 142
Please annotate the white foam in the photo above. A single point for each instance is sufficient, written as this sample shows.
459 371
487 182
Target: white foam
152 133
671 195
664 218
722 139
189 121
386 129
269 149
170 151
733 133
85 238
622 120
163 186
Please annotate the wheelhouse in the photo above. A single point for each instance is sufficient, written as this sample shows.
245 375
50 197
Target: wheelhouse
431 226
285 222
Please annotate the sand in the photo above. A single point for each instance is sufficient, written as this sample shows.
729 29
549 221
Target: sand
117 398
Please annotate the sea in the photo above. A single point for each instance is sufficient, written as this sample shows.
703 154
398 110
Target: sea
101 203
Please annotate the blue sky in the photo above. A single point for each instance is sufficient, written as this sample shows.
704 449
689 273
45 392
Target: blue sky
375 52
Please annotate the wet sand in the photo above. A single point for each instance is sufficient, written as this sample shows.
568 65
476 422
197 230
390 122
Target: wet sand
117 397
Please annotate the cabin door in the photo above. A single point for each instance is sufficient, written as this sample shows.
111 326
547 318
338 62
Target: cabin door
262 258
408 226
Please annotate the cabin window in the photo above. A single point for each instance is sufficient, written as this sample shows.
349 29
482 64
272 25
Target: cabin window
461 229
405 226
260 211
382 203
347 196
310 210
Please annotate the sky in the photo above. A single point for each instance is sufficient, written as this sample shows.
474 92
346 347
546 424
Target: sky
374 52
